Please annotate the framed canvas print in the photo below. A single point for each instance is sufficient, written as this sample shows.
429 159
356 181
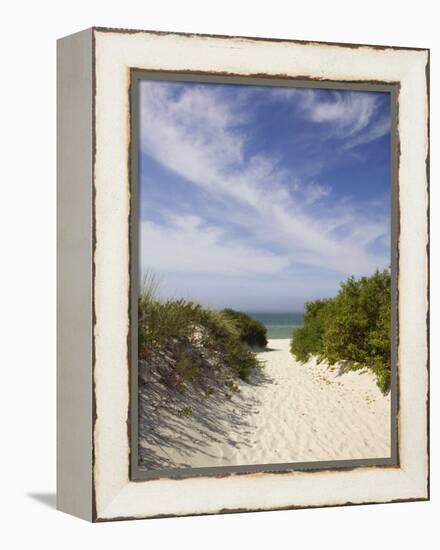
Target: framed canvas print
243 304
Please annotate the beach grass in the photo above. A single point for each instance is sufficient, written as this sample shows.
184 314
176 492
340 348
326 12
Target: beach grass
192 334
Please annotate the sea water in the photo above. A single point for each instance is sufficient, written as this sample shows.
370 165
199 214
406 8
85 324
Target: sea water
278 324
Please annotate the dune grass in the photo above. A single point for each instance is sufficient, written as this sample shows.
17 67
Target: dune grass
190 332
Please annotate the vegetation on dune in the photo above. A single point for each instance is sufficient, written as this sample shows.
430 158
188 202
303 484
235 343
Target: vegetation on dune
193 339
353 327
250 331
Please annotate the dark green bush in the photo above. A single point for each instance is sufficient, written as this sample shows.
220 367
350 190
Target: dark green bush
308 339
354 327
251 331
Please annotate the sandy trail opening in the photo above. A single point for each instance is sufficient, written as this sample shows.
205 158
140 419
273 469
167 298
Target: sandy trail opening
288 412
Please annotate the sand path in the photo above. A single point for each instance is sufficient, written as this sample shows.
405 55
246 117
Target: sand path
291 412
316 412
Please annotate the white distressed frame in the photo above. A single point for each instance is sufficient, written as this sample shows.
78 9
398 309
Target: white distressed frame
114 494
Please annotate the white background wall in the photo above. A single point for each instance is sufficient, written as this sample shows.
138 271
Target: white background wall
27 299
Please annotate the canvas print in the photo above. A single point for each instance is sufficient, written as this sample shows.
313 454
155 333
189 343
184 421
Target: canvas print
264 275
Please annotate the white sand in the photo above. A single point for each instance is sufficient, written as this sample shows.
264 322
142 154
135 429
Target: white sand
292 412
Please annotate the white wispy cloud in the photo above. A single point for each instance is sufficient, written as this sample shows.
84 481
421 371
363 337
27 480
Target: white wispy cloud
190 244
375 131
348 115
201 137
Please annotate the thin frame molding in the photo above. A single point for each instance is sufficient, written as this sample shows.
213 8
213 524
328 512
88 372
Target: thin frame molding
138 75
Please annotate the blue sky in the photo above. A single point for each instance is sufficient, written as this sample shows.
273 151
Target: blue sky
261 198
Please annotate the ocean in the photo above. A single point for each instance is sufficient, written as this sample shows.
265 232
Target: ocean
279 325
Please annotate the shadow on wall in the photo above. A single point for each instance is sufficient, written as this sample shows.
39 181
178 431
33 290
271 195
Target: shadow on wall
47 499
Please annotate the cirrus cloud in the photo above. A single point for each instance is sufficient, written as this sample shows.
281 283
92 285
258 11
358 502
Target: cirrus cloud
201 134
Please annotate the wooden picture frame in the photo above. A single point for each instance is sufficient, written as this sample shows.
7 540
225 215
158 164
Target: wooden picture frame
98 70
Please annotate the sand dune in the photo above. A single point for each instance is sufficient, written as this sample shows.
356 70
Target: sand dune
289 412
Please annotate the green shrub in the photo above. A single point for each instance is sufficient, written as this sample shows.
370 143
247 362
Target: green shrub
184 412
308 339
354 327
251 331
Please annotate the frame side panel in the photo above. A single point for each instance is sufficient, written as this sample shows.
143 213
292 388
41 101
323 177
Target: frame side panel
74 274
